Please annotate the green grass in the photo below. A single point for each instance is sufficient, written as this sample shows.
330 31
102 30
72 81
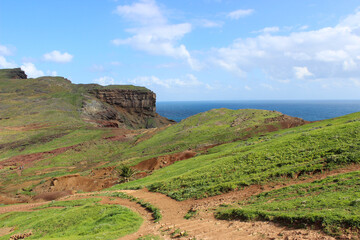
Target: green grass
288 153
332 204
79 220
156 214
201 130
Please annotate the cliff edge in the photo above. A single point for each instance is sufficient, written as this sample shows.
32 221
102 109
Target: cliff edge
119 106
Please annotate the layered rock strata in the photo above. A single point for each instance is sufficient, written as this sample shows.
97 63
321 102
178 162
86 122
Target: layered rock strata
124 108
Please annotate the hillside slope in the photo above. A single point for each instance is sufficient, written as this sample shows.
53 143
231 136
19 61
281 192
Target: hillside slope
57 138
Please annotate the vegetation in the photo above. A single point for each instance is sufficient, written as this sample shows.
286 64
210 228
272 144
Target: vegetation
236 148
213 127
156 214
97 221
332 204
126 172
287 153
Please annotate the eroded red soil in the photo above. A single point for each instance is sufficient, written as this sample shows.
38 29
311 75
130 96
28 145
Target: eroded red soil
23 160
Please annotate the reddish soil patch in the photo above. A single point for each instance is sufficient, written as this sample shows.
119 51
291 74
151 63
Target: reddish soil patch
9 200
22 160
21 207
106 124
49 196
6 230
28 127
74 183
121 134
102 173
163 161
287 121
116 138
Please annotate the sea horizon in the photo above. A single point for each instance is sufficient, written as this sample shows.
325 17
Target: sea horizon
311 110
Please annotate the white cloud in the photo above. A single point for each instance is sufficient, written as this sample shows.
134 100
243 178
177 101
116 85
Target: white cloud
144 11
209 24
188 81
57 56
330 52
4 51
240 13
350 65
302 72
153 33
268 30
31 71
304 27
105 81
5 64
331 55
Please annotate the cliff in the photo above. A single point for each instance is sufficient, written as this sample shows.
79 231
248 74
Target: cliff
123 106
15 73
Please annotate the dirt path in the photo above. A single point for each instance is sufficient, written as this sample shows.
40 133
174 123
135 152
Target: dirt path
205 226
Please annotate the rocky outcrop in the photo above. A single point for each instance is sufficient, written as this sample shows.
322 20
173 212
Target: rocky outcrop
134 108
136 101
15 73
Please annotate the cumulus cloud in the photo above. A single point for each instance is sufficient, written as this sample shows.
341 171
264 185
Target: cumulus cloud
153 34
240 13
330 52
5 64
57 56
268 30
105 81
5 51
31 70
208 23
188 81
302 72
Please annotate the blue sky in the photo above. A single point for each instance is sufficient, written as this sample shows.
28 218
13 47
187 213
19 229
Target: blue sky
190 49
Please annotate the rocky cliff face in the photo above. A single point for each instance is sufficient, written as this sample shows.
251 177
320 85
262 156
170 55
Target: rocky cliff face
15 73
124 108
131 100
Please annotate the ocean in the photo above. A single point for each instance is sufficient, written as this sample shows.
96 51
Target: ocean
311 110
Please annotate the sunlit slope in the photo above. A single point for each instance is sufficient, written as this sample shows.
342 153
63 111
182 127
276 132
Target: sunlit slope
287 153
36 111
210 128
331 204
60 220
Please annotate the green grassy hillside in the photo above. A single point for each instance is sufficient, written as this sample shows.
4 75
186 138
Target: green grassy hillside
235 149
206 129
44 114
332 204
287 153
96 222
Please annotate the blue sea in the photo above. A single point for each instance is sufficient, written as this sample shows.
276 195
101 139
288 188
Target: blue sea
307 109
